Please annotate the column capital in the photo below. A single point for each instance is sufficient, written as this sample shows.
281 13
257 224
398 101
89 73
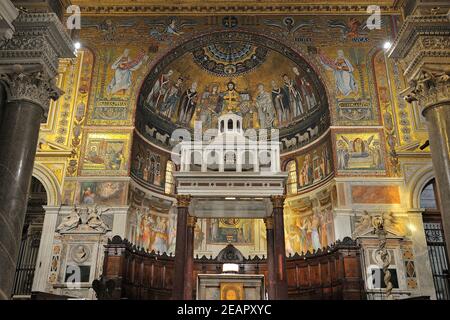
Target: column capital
191 221
422 48
183 200
278 201
34 87
269 223
429 88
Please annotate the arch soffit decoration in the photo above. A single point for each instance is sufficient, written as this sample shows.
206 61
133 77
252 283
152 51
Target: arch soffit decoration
311 60
50 183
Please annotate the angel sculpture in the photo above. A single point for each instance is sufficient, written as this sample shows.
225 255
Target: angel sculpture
384 221
94 219
288 24
70 222
163 30
351 29
363 225
388 222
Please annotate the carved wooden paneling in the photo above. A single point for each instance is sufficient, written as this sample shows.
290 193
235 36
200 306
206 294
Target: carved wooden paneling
331 274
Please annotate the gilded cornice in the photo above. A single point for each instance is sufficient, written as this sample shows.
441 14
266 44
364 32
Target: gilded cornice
207 7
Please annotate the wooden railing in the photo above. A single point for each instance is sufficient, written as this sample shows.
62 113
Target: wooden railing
132 273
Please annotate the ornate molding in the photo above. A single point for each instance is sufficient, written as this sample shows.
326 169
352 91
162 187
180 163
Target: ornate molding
41 39
422 39
425 24
34 87
183 200
208 7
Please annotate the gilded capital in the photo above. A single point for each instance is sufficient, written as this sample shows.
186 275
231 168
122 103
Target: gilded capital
35 87
278 201
183 200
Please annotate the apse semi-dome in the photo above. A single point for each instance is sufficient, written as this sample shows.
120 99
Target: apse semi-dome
266 83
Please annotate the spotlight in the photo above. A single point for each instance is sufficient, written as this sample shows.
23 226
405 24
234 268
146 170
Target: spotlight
387 45
77 45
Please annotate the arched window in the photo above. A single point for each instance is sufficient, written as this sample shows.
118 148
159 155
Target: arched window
292 177
221 126
169 187
428 196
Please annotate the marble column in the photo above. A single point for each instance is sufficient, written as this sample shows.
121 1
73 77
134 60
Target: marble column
438 118
188 280
183 202
271 272
279 248
28 100
421 48
29 59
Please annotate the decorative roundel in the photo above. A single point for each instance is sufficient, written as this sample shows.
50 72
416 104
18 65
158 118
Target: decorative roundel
80 253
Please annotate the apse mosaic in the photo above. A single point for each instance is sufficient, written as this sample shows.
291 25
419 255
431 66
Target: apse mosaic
234 73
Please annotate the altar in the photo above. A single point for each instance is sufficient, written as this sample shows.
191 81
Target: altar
226 286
